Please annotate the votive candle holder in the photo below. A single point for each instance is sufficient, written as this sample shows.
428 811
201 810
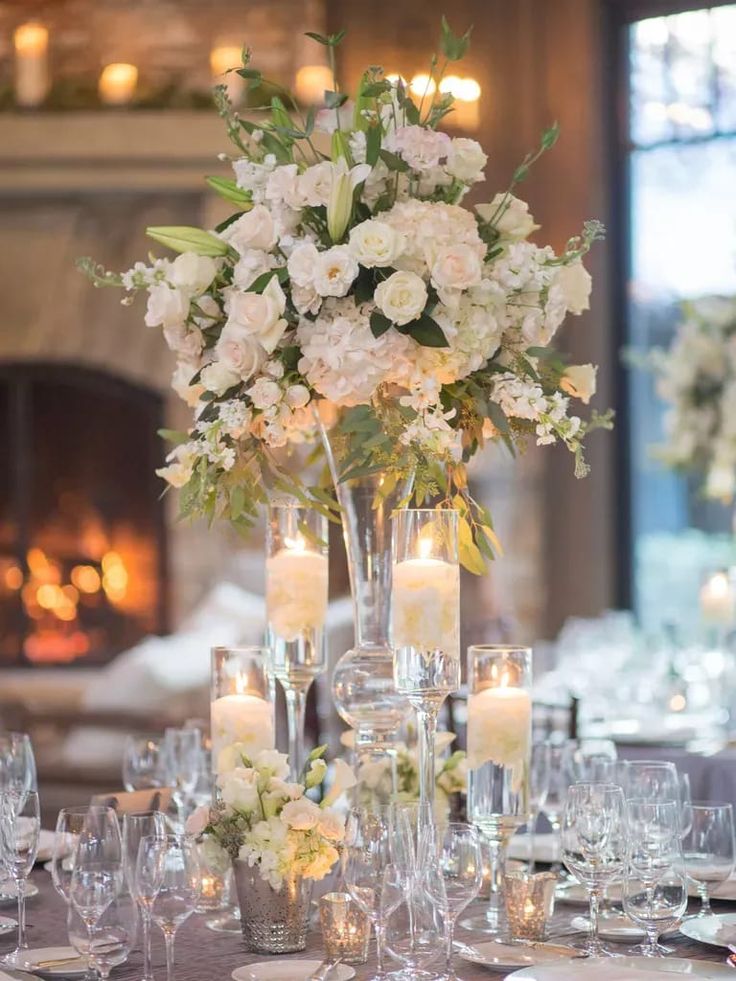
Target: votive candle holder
530 902
346 930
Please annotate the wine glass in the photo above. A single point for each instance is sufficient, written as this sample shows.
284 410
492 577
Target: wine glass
182 750
143 763
686 803
146 881
97 877
594 844
655 882
136 826
539 778
70 823
114 935
593 761
20 827
459 856
178 877
371 877
17 762
653 780
708 848
560 777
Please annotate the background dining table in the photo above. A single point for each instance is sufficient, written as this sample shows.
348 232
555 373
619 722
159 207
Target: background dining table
202 955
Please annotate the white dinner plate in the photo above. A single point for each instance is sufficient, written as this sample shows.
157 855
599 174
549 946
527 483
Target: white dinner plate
623 969
9 894
546 848
7 924
296 970
616 927
499 956
718 930
725 891
574 894
29 960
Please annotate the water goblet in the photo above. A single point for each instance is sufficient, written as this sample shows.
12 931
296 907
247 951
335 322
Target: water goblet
460 861
113 938
708 848
594 844
560 778
177 877
17 762
70 823
182 753
96 881
143 763
20 827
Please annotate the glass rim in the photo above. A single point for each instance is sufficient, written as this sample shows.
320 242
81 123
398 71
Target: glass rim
704 805
86 808
399 511
498 649
251 649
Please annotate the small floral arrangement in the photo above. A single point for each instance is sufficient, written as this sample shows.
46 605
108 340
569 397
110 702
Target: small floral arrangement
263 819
697 378
350 283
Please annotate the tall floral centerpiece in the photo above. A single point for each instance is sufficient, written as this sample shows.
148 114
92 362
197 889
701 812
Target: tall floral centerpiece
351 294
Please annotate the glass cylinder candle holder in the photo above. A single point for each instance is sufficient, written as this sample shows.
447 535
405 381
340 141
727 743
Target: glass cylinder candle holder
499 731
241 701
426 621
346 929
296 604
530 902
214 889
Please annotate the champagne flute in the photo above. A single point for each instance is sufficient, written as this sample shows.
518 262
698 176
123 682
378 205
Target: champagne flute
539 778
17 762
20 827
460 860
182 749
708 848
560 777
144 766
594 844
146 881
179 881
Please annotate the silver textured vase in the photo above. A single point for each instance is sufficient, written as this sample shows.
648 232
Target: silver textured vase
273 922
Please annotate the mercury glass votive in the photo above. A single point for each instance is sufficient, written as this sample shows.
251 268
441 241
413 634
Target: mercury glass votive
346 930
530 902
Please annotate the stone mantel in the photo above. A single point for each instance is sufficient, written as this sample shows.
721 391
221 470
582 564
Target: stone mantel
145 151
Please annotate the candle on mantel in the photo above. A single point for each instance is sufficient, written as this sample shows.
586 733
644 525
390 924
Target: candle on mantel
296 589
426 596
31 43
499 725
241 717
224 57
465 113
717 600
311 83
117 84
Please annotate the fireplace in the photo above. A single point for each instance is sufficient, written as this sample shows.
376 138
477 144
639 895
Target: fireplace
82 529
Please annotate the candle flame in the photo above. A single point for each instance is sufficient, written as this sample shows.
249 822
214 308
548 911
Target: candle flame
31 38
295 544
425 546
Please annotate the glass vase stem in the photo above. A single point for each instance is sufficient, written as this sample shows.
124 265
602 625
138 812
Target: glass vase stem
496 913
427 719
296 703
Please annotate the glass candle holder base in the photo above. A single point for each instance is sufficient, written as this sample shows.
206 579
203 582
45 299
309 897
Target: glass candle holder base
227 923
491 923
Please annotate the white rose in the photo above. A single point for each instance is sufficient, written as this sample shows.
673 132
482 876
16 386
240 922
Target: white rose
302 264
239 351
301 815
579 381
217 377
167 306
374 243
466 160
260 313
331 826
457 267
239 788
576 283
401 297
264 393
252 264
306 299
192 272
277 764
315 184
335 271
297 396
185 341
253 230
513 221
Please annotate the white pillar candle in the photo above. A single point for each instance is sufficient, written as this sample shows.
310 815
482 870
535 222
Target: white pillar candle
31 64
499 726
241 718
717 600
296 591
426 597
117 84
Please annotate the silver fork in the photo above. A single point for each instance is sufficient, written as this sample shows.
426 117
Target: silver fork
324 970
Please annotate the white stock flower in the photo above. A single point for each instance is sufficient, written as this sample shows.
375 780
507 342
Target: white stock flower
579 381
401 297
185 341
374 243
283 186
167 306
301 815
239 351
260 314
576 284
335 271
217 377
466 160
509 216
235 418
192 272
252 264
457 267
420 147
315 184
253 230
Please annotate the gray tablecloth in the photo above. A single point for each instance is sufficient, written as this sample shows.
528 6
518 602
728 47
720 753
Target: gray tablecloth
205 956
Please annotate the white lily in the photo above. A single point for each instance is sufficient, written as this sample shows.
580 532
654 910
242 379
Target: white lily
342 779
340 203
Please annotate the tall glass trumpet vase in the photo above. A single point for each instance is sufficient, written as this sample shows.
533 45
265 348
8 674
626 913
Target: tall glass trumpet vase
499 758
426 622
296 603
241 701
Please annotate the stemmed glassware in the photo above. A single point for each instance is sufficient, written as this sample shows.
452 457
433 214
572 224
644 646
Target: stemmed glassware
539 777
460 860
20 827
560 778
708 848
144 765
17 762
167 885
114 935
655 882
426 622
136 827
296 602
182 750
371 877
70 823
594 844
499 749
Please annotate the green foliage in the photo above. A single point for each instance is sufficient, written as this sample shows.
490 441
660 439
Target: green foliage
229 190
454 46
185 238
97 274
